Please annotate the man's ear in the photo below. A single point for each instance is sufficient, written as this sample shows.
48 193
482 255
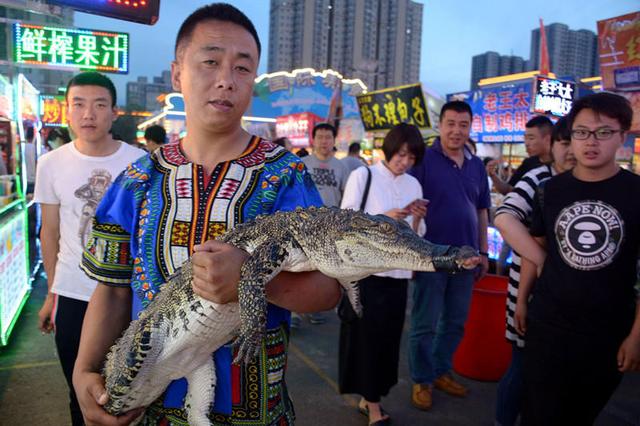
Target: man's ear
175 76
115 114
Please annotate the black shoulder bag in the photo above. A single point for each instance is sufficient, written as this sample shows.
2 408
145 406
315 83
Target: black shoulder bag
345 311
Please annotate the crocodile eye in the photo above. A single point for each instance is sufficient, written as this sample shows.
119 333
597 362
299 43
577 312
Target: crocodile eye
387 228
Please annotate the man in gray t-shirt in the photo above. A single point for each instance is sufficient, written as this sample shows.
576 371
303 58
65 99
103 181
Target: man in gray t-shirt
353 160
329 174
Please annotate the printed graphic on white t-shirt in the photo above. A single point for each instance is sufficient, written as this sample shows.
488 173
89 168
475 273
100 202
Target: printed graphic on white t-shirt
91 193
589 234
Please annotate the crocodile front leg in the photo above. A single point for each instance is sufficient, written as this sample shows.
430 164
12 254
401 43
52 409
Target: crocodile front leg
260 268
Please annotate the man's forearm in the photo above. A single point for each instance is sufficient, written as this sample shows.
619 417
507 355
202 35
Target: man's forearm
483 225
303 291
635 329
108 314
518 237
528 272
50 248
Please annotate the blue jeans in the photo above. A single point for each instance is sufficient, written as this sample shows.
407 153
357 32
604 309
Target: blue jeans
510 390
440 307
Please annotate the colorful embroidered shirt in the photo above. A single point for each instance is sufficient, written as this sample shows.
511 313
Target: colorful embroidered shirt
146 227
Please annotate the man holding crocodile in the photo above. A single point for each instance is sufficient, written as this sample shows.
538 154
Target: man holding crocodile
169 206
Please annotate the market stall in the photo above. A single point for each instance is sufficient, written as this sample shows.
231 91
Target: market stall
15 283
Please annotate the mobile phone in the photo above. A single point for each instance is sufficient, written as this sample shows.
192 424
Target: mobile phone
422 201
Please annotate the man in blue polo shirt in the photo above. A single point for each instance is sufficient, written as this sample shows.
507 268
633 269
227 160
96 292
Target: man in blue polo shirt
455 182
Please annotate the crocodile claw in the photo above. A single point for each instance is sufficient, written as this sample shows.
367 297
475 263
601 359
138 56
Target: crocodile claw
248 347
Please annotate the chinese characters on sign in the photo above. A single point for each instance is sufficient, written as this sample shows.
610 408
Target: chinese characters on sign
53 110
297 127
619 49
553 96
385 108
499 113
74 48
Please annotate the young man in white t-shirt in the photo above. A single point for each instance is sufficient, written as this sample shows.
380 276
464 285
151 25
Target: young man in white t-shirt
70 183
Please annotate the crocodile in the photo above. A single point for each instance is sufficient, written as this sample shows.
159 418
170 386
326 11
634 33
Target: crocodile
177 333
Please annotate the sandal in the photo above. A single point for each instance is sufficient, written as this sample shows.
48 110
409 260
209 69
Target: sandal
382 422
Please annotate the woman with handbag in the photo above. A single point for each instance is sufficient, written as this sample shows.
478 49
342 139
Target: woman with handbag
369 346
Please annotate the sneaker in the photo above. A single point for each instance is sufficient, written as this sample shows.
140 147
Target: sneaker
296 320
448 384
317 318
421 397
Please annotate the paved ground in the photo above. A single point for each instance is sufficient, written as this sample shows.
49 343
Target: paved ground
33 390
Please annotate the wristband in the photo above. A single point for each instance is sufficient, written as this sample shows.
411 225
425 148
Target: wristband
483 253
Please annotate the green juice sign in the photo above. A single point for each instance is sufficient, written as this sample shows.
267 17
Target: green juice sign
71 47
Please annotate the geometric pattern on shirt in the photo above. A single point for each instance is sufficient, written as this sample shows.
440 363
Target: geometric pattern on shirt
519 203
264 171
108 251
180 233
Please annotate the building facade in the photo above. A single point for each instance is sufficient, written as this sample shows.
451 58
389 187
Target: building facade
571 52
492 64
377 41
142 94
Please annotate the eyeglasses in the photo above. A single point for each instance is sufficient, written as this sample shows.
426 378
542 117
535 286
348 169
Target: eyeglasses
600 134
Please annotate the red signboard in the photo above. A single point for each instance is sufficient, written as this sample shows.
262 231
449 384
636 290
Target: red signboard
297 127
619 49
54 111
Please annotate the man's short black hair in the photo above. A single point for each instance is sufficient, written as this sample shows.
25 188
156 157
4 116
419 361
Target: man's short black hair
156 134
354 148
605 103
457 106
222 12
542 123
324 126
561 131
400 135
93 78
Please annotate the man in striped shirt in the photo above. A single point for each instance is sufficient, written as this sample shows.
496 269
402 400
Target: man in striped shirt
512 219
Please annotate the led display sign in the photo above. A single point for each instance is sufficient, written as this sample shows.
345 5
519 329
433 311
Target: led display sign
553 96
141 11
71 47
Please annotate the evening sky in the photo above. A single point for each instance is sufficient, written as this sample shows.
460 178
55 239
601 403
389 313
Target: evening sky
453 32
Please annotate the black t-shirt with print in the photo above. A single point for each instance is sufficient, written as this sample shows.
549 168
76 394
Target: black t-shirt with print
593 235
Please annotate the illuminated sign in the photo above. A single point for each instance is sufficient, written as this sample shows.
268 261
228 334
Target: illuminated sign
304 90
14 279
499 113
141 11
73 48
619 48
297 127
385 108
6 95
553 96
54 110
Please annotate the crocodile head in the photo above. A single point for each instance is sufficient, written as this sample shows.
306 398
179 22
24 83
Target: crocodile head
379 243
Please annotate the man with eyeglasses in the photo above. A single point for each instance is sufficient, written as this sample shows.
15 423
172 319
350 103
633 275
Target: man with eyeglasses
583 319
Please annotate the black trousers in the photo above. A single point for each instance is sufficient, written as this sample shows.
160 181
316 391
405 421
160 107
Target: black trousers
68 325
568 377
370 346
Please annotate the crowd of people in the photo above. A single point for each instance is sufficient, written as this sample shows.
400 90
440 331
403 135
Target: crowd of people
130 219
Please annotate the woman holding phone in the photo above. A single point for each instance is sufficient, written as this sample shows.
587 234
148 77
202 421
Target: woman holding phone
369 346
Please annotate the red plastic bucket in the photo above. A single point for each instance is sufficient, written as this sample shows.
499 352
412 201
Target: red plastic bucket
483 353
